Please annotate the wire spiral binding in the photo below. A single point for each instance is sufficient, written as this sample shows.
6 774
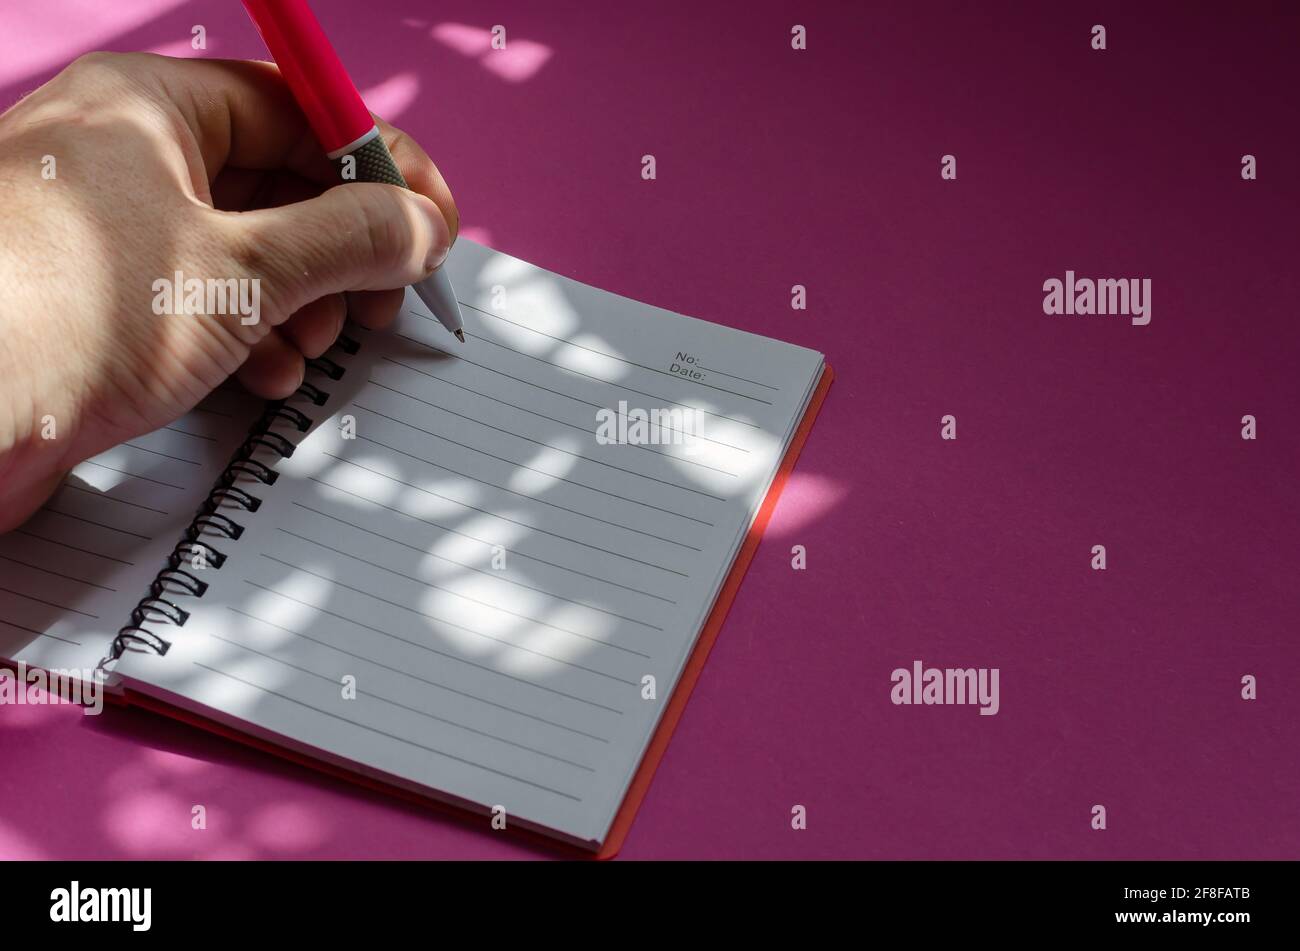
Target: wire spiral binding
174 582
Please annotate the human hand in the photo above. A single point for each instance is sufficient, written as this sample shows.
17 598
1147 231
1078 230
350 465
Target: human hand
202 167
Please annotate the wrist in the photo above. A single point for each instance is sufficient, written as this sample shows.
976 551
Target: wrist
32 443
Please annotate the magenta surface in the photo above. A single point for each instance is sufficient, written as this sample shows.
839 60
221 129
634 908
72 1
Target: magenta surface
776 167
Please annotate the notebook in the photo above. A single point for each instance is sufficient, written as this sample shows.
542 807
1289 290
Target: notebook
481 574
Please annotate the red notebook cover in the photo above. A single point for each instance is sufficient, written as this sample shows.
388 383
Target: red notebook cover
663 732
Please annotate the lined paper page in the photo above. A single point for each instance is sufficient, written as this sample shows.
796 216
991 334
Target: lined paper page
497 583
71 574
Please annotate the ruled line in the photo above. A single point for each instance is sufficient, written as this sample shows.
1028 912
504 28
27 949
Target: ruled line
609 356
391 736
483 541
165 455
58 574
460 627
546 445
32 630
551 475
502 488
524 353
421 581
617 386
170 485
84 551
546 389
434 650
582 429
186 432
494 575
537 386
105 495
423 680
503 518
740 378
61 607
111 528
401 706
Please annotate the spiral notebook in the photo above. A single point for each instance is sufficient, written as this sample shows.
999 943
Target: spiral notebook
484 575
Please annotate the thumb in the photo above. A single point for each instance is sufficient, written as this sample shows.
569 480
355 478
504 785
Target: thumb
354 237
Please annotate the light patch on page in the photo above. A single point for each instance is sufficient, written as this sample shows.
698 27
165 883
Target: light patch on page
97 477
593 355
547 466
289 610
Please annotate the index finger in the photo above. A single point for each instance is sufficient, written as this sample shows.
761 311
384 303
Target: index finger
243 114
420 172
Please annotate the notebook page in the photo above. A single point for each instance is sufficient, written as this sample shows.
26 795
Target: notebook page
72 573
499 583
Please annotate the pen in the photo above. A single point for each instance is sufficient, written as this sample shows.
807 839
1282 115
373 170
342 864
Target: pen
340 119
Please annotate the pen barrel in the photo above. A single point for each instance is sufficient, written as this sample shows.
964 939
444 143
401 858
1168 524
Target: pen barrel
371 162
312 70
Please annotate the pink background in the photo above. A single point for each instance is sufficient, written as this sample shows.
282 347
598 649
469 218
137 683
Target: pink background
778 167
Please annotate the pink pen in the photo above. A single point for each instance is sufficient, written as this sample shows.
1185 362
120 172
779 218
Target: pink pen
340 119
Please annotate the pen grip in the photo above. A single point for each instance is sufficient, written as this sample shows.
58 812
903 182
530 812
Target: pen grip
372 162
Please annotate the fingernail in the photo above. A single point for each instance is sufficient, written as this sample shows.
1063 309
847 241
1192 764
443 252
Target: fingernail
440 236
434 260
437 255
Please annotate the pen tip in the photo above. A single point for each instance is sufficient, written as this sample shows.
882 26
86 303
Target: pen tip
460 335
